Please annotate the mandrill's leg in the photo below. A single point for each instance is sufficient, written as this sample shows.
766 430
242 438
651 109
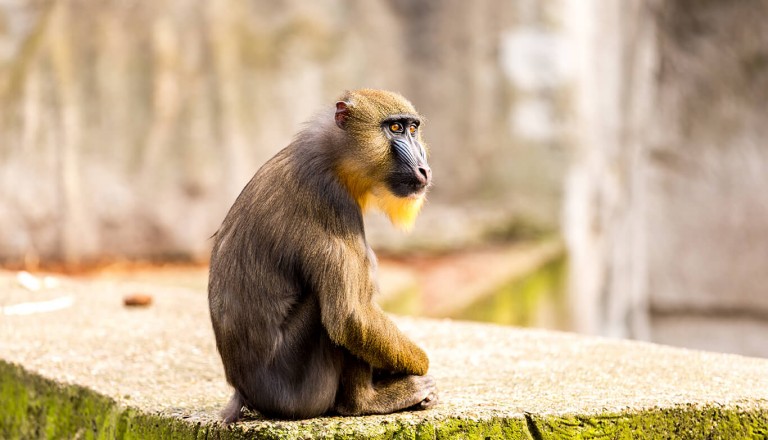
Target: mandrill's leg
360 394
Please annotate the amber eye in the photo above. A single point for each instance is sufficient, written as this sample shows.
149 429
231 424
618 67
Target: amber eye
412 129
396 127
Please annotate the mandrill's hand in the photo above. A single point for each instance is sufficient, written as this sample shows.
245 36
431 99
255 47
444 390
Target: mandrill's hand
415 361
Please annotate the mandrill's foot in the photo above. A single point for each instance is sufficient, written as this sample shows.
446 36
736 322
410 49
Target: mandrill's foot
390 395
426 384
431 400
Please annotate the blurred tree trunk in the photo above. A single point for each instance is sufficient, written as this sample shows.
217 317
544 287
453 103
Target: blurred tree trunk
72 220
666 213
605 189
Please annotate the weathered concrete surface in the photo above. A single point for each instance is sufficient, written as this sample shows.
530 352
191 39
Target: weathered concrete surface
98 370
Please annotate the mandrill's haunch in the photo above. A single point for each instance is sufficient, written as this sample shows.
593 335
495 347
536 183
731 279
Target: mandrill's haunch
292 278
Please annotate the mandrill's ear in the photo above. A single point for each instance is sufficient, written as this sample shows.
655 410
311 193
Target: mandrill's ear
342 114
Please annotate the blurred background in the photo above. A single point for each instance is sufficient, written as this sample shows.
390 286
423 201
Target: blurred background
599 166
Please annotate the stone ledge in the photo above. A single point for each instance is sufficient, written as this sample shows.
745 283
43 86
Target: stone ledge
98 370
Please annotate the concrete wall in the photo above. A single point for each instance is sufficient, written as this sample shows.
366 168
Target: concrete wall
667 211
127 129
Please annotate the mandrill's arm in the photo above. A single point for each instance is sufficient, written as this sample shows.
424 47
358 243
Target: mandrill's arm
355 322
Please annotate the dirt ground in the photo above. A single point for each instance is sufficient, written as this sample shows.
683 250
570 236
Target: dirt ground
468 275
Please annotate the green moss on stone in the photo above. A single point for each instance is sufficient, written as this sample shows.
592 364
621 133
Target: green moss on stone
519 301
406 302
680 422
35 407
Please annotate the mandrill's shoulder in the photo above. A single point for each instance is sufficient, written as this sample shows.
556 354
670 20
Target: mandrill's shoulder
318 204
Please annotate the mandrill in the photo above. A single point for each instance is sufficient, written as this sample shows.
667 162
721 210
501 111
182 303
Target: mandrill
292 278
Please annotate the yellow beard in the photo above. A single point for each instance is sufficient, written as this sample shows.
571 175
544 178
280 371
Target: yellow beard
402 211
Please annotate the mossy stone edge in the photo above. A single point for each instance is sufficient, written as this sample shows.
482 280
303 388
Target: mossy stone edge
36 407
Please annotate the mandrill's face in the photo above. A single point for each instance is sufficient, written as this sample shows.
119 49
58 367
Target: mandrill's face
387 166
410 176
